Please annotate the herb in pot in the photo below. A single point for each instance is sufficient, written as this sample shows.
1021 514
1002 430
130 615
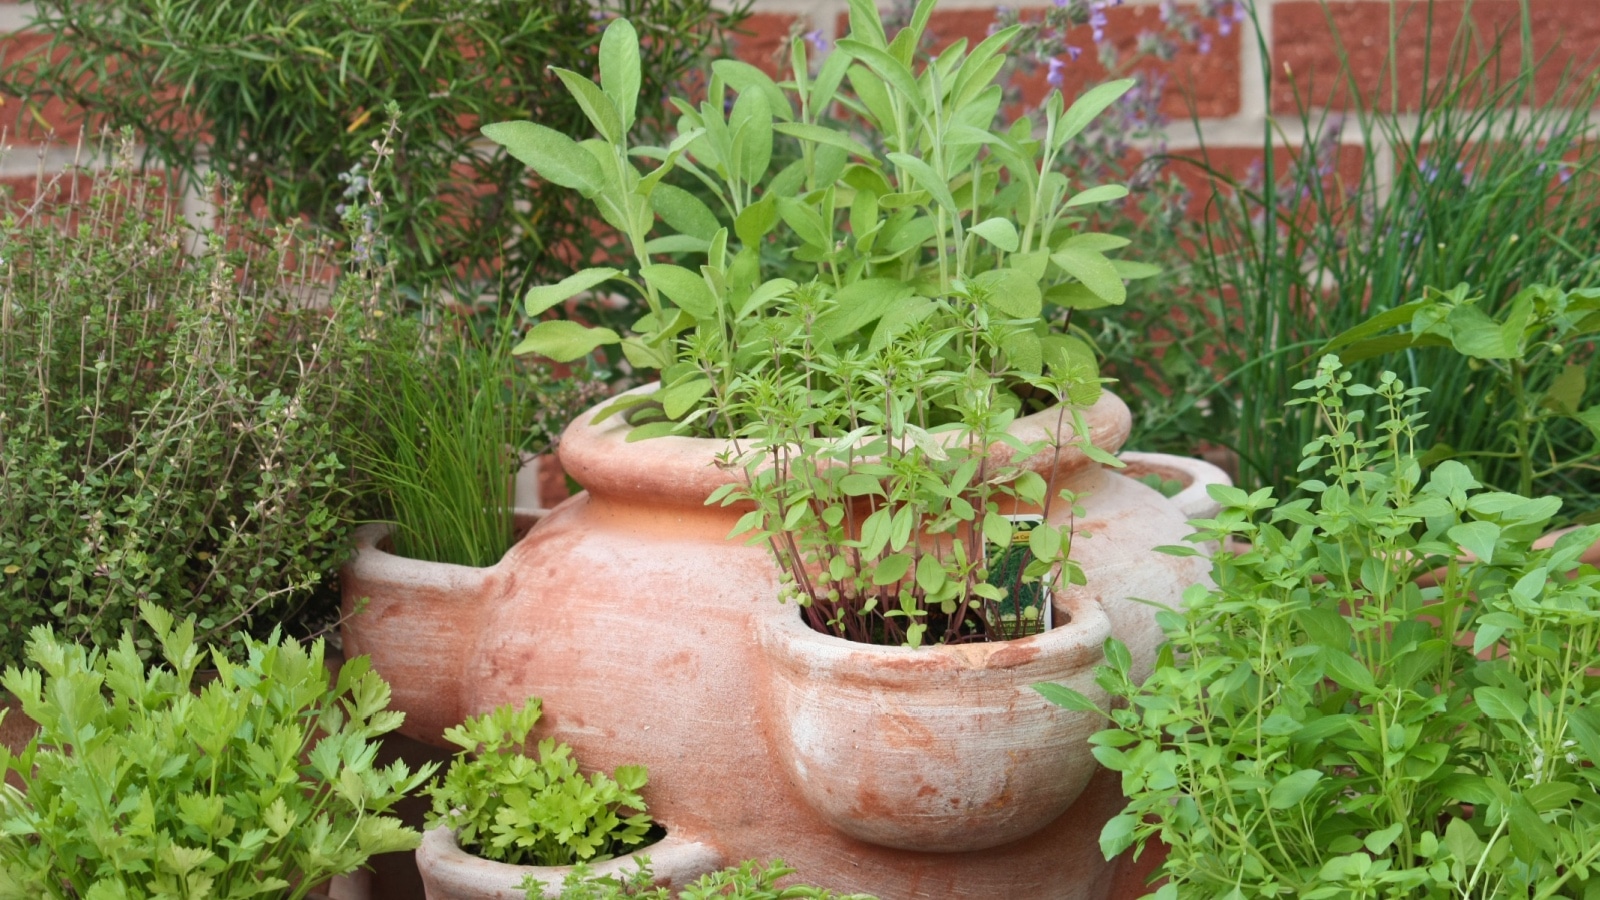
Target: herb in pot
1326 723
510 807
912 205
140 783
878 313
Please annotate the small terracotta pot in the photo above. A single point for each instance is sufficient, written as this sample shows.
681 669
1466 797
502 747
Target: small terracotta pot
450 873
943 749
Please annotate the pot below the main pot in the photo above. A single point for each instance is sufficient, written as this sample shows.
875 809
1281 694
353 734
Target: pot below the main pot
451 873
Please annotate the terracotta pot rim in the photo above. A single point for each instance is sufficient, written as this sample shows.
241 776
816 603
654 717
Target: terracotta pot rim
683 471
1193 501
1074 644
441 858
368 541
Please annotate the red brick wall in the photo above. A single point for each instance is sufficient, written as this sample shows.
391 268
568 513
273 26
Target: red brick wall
1221 87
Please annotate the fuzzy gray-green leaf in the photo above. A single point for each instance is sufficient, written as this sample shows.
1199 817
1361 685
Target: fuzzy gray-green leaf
620 69
556 157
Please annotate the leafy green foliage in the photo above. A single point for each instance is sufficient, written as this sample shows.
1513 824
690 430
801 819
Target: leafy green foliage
172 424
146 783
885 525
1541 364
1370 210
749 880
1390 693
899 216
284 99
445 457
865 322
533 810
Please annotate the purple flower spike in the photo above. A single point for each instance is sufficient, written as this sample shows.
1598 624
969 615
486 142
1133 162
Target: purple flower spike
1205 42
1056 78
1097 20
1169 10
817 41
1564 172
1074 52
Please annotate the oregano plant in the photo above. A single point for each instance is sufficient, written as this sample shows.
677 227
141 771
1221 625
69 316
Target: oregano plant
1388 692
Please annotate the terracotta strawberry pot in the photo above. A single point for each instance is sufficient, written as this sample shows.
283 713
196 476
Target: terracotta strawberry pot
941 749
450 873
643 629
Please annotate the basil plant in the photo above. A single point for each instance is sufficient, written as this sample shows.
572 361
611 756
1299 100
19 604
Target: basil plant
862 286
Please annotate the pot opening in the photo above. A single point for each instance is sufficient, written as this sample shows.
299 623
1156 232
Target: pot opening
522 522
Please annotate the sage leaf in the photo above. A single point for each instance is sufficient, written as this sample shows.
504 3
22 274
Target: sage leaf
1100 194
620 69
600 109
685 288
999 232
683 395
860 304
563 340
543 297
1094 271
928 180
1086 107
684 212
818 134
554 156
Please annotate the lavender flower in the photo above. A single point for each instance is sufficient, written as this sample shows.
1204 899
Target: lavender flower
817 41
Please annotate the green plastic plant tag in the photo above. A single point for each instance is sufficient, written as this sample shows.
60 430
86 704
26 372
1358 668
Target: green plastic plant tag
1026 609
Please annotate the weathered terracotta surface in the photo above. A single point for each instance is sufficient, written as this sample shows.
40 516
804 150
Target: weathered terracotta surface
410 624
964 754
449 873
640 625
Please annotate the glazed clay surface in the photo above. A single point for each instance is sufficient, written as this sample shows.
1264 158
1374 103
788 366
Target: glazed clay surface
640 624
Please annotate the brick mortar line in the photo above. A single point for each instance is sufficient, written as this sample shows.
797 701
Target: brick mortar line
1231 131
